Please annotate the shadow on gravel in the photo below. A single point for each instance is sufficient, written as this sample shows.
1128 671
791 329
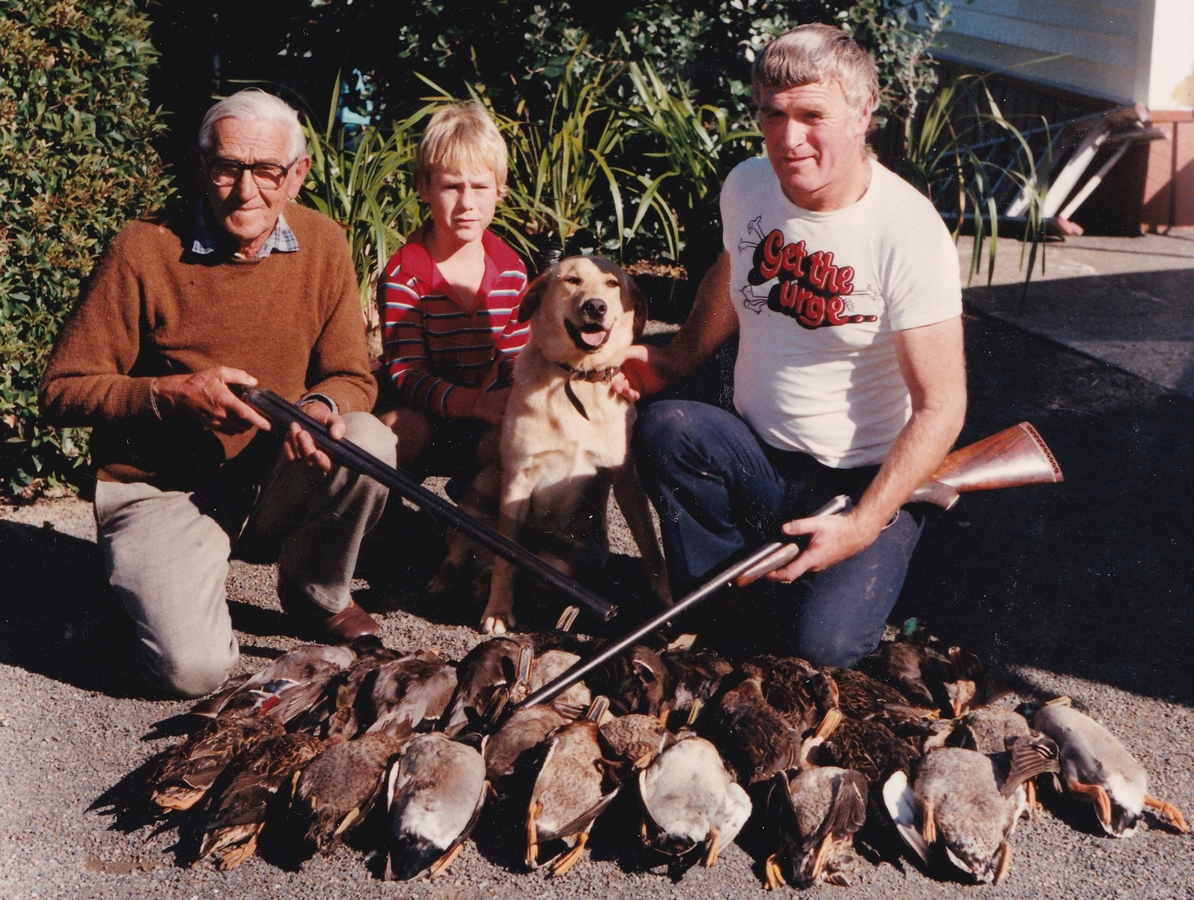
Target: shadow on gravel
58 617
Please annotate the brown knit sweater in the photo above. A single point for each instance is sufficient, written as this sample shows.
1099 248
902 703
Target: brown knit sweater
152 308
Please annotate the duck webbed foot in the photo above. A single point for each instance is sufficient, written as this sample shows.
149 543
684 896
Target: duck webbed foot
1098 796
1169 811
773 873
568 860
441 865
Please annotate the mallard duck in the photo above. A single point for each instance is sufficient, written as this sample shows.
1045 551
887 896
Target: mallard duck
800 693
693 676
187 773
1018 753
336 790
633 741
434 794
334 716
1096 767
867 747
818 810
568 794
549 665
240 812
525 730
864 698
910 668
286 687
485 680
691 800
409 692
957 800
634 682
750 734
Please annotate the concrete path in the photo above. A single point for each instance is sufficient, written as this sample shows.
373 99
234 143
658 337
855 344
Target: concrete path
1126 301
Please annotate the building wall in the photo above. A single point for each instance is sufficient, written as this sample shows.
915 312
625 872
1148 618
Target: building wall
1126 51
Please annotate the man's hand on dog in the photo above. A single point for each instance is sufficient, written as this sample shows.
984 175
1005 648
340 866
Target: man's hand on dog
831 539
205 397
491 406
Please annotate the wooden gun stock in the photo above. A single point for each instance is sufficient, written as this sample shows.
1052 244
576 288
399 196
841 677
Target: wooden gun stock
1011 458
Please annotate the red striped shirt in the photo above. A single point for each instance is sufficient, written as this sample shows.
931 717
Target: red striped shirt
439 355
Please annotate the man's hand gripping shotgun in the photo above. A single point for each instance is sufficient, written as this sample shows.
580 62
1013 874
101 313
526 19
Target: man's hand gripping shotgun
1011 458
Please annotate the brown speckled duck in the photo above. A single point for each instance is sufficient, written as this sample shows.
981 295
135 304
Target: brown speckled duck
189 770
633 741
485 680
337 789
410 692
751 735
800 693
569 792
509 747
240 813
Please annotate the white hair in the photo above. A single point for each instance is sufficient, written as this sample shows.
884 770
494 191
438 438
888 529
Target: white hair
254 105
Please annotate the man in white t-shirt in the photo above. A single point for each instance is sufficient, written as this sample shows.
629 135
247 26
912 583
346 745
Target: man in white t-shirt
842 284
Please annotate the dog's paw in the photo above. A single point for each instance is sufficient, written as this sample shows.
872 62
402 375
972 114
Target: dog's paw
496 619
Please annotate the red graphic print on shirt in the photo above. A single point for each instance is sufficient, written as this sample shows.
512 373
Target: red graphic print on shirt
809 286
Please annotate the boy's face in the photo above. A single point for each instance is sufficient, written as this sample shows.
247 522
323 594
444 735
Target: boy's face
462 202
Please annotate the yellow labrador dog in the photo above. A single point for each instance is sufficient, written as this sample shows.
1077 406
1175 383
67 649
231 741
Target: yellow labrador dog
566 434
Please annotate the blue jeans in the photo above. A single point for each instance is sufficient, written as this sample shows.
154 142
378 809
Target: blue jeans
720 493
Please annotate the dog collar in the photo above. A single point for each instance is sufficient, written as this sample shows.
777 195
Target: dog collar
593 376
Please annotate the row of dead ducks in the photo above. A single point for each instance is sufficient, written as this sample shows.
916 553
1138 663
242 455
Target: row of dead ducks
911 740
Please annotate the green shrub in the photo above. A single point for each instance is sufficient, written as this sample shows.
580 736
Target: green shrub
75 165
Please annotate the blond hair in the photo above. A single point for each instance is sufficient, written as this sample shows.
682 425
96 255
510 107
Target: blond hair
461 137
812 53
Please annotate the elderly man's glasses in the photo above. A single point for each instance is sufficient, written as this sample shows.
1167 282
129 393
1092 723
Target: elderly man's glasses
227 172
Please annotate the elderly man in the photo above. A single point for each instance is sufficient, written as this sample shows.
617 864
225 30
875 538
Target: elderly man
246 288
843 286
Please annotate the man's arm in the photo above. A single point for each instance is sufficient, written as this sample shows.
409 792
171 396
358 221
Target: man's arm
932 364
711 320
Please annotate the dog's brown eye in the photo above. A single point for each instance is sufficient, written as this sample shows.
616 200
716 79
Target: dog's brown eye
613 282
572 279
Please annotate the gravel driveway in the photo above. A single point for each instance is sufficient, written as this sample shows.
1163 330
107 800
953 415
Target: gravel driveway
1080 589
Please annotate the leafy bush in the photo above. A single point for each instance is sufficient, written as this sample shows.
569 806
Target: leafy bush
75 165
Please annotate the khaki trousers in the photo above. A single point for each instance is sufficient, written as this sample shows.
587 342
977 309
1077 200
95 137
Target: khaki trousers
166 555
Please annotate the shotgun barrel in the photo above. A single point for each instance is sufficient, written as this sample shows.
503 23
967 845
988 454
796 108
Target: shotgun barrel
282 414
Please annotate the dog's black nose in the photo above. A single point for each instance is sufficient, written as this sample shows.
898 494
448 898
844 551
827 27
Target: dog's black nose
594 309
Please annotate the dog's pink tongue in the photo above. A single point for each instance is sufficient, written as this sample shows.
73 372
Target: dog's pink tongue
593 338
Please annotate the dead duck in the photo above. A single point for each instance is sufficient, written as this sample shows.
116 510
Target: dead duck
691 800
1018 753
867 747
491 675
241 810
957 801
434 795
694 676
549 665
409 692
507 748
286 687
751 735
634 682
187 773
568 795
862 697
335 716
633 741
800 693
1096 767
818 810
910 668
337 789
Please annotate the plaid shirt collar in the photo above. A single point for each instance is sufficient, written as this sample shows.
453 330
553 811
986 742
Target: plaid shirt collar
208 237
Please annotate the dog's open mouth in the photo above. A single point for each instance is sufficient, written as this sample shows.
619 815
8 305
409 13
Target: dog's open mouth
587 337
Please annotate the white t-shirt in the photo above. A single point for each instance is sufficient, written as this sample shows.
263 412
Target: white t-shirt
818 297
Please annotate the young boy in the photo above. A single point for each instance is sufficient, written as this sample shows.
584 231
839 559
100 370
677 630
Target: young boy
449 308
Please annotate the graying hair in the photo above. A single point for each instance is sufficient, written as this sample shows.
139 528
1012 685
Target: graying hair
812 53
254 105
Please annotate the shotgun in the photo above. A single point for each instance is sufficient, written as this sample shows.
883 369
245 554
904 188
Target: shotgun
345 453
1011 458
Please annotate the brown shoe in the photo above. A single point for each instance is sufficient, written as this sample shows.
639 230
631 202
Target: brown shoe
343 627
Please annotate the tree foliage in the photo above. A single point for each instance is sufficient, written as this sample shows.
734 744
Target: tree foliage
76 163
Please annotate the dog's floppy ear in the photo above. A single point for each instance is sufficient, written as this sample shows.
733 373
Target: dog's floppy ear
639 299
534 295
